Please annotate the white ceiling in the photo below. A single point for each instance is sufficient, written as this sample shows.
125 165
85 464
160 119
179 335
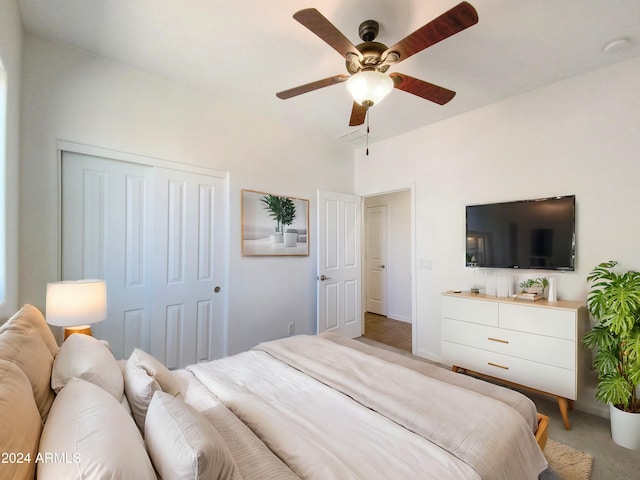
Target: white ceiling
244 51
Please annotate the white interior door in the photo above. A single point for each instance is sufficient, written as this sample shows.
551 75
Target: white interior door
105 235
188 307
157 236
339 270
376 259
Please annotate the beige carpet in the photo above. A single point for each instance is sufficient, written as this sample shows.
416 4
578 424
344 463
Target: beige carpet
568 463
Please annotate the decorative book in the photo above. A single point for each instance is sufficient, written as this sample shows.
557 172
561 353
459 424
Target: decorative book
529 297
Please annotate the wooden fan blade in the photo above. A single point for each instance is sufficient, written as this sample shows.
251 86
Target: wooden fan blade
449 23
358 114
323 28
309 87
426 90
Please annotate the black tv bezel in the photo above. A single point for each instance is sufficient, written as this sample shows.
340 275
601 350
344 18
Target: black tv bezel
527 267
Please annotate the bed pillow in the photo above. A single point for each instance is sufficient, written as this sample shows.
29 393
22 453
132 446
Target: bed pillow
89 429
20 423
27 319
144 375
29 352
123 400
86 357
183 445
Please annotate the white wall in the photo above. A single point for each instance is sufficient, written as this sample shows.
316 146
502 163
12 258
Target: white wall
73 96
10 62
579 136
398 265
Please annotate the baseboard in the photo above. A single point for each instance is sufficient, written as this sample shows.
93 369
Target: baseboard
429 356
400 318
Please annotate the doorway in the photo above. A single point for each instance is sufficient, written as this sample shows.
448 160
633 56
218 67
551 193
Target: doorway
387 277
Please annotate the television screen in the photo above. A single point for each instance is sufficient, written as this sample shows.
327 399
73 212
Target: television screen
524 234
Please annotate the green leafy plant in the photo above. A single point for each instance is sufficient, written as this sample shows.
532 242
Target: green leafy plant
281 209
614 301
541 283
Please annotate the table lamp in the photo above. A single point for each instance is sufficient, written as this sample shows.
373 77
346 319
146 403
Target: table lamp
75 305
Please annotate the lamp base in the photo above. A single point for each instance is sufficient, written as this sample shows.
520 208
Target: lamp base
84 329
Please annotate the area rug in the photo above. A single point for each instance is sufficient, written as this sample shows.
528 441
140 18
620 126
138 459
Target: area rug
568 463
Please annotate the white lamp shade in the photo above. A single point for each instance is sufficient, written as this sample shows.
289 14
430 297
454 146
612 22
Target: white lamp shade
73 303
369 87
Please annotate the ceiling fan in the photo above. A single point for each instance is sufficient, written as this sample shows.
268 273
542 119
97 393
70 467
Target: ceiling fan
368 62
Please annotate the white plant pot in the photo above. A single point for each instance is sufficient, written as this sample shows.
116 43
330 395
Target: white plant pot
625 428
276 238
290 239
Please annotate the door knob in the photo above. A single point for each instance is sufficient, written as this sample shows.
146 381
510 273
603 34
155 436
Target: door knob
323 278
381 266
216 289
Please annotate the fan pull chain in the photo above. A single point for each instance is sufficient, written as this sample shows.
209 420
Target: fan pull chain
367 115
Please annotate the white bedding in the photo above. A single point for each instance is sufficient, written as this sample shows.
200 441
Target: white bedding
319 432
255 461
332 412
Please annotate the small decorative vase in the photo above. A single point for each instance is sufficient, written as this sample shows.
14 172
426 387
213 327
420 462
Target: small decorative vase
553 296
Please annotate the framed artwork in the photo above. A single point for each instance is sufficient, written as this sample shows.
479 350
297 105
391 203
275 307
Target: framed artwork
274 225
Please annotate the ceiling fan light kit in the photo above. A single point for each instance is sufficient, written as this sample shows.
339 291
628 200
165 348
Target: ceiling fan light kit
369 87
367 63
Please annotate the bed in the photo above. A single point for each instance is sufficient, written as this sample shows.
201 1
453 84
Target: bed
307 406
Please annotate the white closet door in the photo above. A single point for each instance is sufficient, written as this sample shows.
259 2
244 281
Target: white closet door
157 237
105 234
188 270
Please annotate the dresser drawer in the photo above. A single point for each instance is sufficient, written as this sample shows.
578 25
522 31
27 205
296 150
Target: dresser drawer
546 378
542 321
557 352
470 310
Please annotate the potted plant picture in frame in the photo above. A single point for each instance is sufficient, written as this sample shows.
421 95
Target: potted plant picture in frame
614 302
282 210
274 224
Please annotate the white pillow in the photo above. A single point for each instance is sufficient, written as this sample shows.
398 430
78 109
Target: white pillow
92 437
86 357
183 445
20 423
143 376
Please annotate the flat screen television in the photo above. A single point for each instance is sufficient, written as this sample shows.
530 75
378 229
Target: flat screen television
532 234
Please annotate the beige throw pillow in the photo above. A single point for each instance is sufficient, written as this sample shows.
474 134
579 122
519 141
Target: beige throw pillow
29 352
20 423
27 319
183 445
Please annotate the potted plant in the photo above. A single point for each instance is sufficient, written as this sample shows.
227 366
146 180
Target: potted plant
614 301
282 210
534 285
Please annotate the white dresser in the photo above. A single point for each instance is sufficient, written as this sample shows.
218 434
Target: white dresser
535 345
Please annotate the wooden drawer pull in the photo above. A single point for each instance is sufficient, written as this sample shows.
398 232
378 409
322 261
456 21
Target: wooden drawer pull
498 365
497 340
